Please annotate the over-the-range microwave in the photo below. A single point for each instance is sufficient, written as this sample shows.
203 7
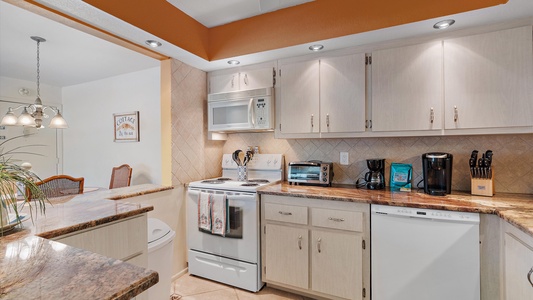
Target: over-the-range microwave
250 110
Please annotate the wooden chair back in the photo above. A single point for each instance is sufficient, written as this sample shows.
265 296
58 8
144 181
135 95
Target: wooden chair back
59 185
120 176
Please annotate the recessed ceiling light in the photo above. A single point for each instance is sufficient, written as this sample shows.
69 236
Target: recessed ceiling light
153 43
233 62
316 47
444 24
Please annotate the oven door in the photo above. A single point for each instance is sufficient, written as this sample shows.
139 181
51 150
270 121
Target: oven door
242 240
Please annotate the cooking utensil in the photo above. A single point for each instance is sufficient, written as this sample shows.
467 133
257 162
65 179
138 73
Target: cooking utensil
241 157
248 157
235 157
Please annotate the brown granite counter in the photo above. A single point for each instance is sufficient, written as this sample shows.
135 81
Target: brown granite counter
517 209
33 267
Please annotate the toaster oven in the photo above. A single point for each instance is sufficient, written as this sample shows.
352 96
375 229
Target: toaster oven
310 173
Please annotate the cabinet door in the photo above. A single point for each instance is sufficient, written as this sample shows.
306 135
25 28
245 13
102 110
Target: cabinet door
222 83
287 254
488 80
342 93
407 91
518 264
299 106
255 79
337 264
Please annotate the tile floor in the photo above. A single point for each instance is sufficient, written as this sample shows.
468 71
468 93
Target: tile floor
189 287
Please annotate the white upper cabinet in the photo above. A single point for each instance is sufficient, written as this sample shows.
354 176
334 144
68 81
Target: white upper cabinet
342 94
299 103
489 80
243 78
323 97
407 88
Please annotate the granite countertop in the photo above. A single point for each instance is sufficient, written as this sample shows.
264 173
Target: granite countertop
34 267
517 209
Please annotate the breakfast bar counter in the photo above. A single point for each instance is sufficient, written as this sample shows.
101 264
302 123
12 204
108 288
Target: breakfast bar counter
516 209
35 267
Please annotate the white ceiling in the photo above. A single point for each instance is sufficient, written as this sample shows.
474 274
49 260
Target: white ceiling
70 56
213 13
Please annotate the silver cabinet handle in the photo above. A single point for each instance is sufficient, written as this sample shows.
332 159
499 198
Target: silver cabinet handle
312 117
318 242
455 113
300 242
529 276
285 213
431 115
245 79
327 120
336 219
233 81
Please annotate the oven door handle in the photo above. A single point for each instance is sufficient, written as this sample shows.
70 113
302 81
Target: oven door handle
242 197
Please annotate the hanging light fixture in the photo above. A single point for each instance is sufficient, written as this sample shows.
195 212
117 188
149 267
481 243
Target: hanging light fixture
32 115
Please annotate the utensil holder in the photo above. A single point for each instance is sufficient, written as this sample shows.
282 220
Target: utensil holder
242 173
483 186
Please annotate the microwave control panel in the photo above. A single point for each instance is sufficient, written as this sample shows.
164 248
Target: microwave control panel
261 112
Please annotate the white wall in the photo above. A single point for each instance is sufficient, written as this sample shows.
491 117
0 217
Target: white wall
89 150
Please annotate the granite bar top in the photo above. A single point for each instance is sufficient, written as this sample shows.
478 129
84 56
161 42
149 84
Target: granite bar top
33 267
517 209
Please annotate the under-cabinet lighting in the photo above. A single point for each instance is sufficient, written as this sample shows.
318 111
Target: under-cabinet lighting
233 62
153 43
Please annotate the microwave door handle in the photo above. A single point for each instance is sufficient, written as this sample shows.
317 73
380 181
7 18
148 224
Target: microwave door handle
251 112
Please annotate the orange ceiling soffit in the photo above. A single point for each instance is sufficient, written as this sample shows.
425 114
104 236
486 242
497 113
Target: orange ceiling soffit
161 19
326 19
69 21
305 23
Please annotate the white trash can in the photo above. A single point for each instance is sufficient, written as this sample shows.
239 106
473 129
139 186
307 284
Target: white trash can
160 254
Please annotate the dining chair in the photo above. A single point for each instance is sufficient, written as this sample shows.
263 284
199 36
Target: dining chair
120 176
59 185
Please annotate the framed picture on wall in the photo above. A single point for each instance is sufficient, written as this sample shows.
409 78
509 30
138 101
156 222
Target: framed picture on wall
127 127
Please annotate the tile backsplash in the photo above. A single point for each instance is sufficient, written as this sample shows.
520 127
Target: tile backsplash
512 161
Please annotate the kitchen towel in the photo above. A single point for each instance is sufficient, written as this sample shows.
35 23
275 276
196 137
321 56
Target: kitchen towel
219 212
204 211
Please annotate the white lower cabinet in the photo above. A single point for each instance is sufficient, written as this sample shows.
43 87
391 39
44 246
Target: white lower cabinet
316 247
124 239
518 264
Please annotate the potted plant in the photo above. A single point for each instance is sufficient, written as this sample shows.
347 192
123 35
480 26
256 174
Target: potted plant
15 179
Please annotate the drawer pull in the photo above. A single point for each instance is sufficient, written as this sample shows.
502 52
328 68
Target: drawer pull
336 219
285 213
318 242
529 276
300 242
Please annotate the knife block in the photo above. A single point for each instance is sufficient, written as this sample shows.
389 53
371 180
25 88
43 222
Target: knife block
483 186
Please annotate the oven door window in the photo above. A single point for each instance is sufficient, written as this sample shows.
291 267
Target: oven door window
235 228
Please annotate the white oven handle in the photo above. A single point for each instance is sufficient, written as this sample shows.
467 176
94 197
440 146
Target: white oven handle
231 197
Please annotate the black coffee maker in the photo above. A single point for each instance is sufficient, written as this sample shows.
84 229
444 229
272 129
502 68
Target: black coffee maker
437 171
375 178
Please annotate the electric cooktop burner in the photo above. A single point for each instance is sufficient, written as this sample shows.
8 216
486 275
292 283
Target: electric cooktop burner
249 184
259 180
213 181
223 179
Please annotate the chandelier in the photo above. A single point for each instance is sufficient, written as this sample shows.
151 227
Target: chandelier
32 115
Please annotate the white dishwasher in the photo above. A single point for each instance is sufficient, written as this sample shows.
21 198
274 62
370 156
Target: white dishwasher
421 254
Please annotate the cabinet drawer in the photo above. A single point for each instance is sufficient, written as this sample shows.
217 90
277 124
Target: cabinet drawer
337 219
286 213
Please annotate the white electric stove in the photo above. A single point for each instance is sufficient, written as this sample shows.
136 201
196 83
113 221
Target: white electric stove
235 258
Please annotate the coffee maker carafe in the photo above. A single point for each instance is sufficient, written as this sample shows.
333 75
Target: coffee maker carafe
437 171
375 178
